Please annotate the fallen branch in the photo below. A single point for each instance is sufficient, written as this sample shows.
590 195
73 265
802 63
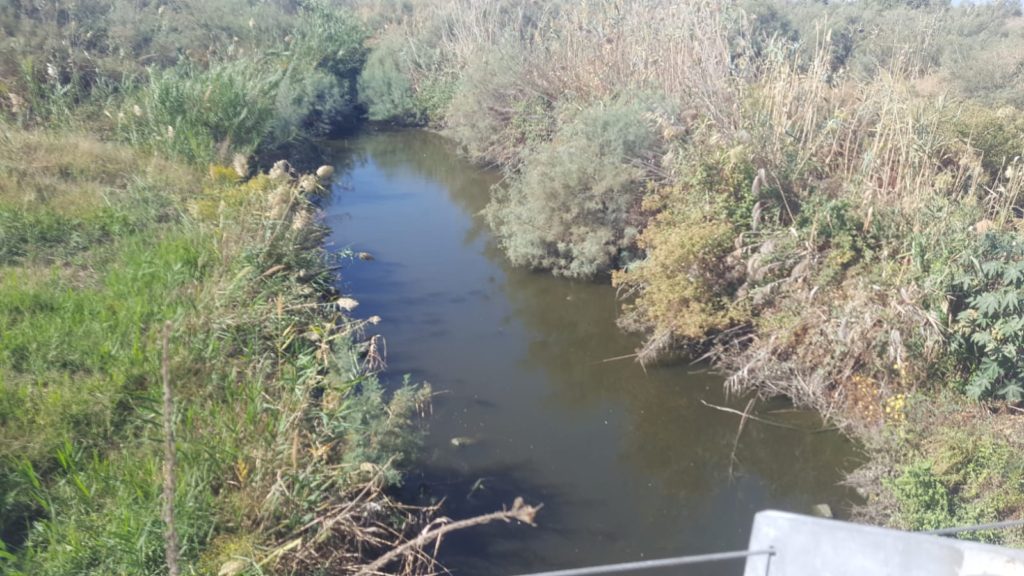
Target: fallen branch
519 511
763 421
739 432
617 358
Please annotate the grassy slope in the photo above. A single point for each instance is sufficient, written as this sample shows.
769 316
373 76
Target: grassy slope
105 244
117 217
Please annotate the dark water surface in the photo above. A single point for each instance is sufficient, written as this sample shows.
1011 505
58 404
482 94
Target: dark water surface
629 464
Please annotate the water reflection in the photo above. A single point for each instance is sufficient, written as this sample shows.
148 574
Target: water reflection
629 463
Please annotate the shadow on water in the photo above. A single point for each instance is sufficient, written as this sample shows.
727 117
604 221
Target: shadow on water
628 462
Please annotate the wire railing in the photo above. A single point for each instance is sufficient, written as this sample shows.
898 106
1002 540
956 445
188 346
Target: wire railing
739 554
653 564
976 528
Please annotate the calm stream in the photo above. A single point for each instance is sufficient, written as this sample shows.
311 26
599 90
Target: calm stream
628 464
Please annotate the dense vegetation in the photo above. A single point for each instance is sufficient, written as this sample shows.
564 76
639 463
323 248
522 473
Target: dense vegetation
825 196
131 197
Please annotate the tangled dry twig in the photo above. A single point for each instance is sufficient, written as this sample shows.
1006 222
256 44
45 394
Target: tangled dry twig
520 512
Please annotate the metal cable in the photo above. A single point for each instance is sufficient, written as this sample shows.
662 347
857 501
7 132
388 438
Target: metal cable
976 528
651 564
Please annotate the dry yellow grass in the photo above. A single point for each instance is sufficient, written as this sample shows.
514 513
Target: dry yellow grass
72 173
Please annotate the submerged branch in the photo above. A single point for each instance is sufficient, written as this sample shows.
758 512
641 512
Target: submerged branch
520 511
764 421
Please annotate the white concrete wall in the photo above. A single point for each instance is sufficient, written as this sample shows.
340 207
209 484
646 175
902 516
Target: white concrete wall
810 546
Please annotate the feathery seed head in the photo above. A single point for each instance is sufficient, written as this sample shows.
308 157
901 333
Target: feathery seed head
301 221
281 170
347 304
308 184
241 165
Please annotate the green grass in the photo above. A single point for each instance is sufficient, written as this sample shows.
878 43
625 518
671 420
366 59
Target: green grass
278 418
199 115
78 361
52 326
89 276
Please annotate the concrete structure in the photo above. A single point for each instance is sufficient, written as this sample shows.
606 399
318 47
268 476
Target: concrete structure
810 546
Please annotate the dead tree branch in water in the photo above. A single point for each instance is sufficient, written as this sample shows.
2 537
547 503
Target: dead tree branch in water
739 432
520 511
768 422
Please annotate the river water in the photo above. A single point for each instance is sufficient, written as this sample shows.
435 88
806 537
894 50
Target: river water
628 463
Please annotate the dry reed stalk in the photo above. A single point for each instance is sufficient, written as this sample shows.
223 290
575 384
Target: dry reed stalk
596 50
376 355
171 551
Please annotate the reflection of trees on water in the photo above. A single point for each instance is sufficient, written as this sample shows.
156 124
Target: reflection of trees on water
684 444
574 331
428 156
672 437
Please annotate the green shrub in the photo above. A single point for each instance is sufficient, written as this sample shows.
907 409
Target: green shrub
839 234
997 136
988 320
327 55
687 280
206 70
495 114
202 115
924 500
405 82
967 472
434 96
575 206
385 86
311 103
205 115
331 38
61 58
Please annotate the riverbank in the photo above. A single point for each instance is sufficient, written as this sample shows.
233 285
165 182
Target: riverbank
102 248
151 239
830 209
